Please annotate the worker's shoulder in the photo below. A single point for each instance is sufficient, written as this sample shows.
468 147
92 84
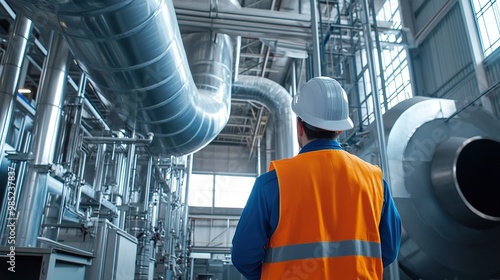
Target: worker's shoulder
362 162
267 178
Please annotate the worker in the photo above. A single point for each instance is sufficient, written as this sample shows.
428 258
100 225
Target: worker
323 214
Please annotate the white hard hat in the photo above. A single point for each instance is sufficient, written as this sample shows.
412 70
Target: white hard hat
322 102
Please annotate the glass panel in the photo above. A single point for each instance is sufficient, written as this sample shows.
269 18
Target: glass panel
200 190
488 24
232 191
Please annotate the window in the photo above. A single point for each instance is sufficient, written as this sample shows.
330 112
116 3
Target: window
394 63
201 190
397 74
219 190
488 22
232 191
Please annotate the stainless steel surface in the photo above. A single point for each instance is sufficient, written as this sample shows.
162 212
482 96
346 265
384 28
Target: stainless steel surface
127 186
379 122
278 101
99 167
12 62
465 180
201 16
316 63
113 250
45 132
149 84
185 213
432 160
120 140
139 227
393 269
56 263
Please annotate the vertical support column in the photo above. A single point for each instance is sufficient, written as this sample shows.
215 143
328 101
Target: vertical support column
315 38
258 158
379 55
477 51
237 48
393 269
185 240
128 182
45 134
9 79
373 82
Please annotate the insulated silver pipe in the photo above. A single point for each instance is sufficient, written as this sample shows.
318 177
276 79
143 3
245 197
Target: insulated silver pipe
96 115
315 38
134 56
196 16
145 192
237 48
393 269
118 140
127 185
433 161
45 134
11 70
100 163
185 241
278 101
384 162
465 180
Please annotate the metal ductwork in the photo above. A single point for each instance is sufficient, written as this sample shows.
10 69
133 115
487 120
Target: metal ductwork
278 101
444 179
133 54
45 130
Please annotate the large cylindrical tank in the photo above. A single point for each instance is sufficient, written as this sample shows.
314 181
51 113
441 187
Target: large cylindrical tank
445 179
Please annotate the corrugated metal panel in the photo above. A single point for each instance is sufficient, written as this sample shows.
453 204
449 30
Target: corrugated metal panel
445 57
492 65
424 10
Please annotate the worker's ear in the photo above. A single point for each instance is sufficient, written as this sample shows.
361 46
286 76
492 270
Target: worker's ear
300 128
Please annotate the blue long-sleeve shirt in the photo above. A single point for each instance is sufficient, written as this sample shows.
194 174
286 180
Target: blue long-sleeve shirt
261 213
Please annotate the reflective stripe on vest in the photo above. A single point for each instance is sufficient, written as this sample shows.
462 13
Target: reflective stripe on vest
323 250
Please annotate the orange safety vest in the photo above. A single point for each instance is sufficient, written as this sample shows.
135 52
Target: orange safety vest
330 209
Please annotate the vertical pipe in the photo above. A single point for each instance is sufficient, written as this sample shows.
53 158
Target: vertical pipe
120 186
354 73
186 204
294 78
393 269
376 99
72 142
316 64
127 185
379 52
48 114
191 274
146 190
9 79
237 58
100 163
476 49
264 64
258 157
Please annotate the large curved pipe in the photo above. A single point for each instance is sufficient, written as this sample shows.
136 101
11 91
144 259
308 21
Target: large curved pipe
465 179
278 102
444 179
133 54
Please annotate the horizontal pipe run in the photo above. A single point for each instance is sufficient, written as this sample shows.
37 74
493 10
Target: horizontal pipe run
116 140
96 114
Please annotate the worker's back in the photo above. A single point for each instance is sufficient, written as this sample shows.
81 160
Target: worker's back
330 209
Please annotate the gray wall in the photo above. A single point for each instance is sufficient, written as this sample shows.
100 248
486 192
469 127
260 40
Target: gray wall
441 59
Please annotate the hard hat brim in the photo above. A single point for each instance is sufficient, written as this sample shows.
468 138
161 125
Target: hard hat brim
340 125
